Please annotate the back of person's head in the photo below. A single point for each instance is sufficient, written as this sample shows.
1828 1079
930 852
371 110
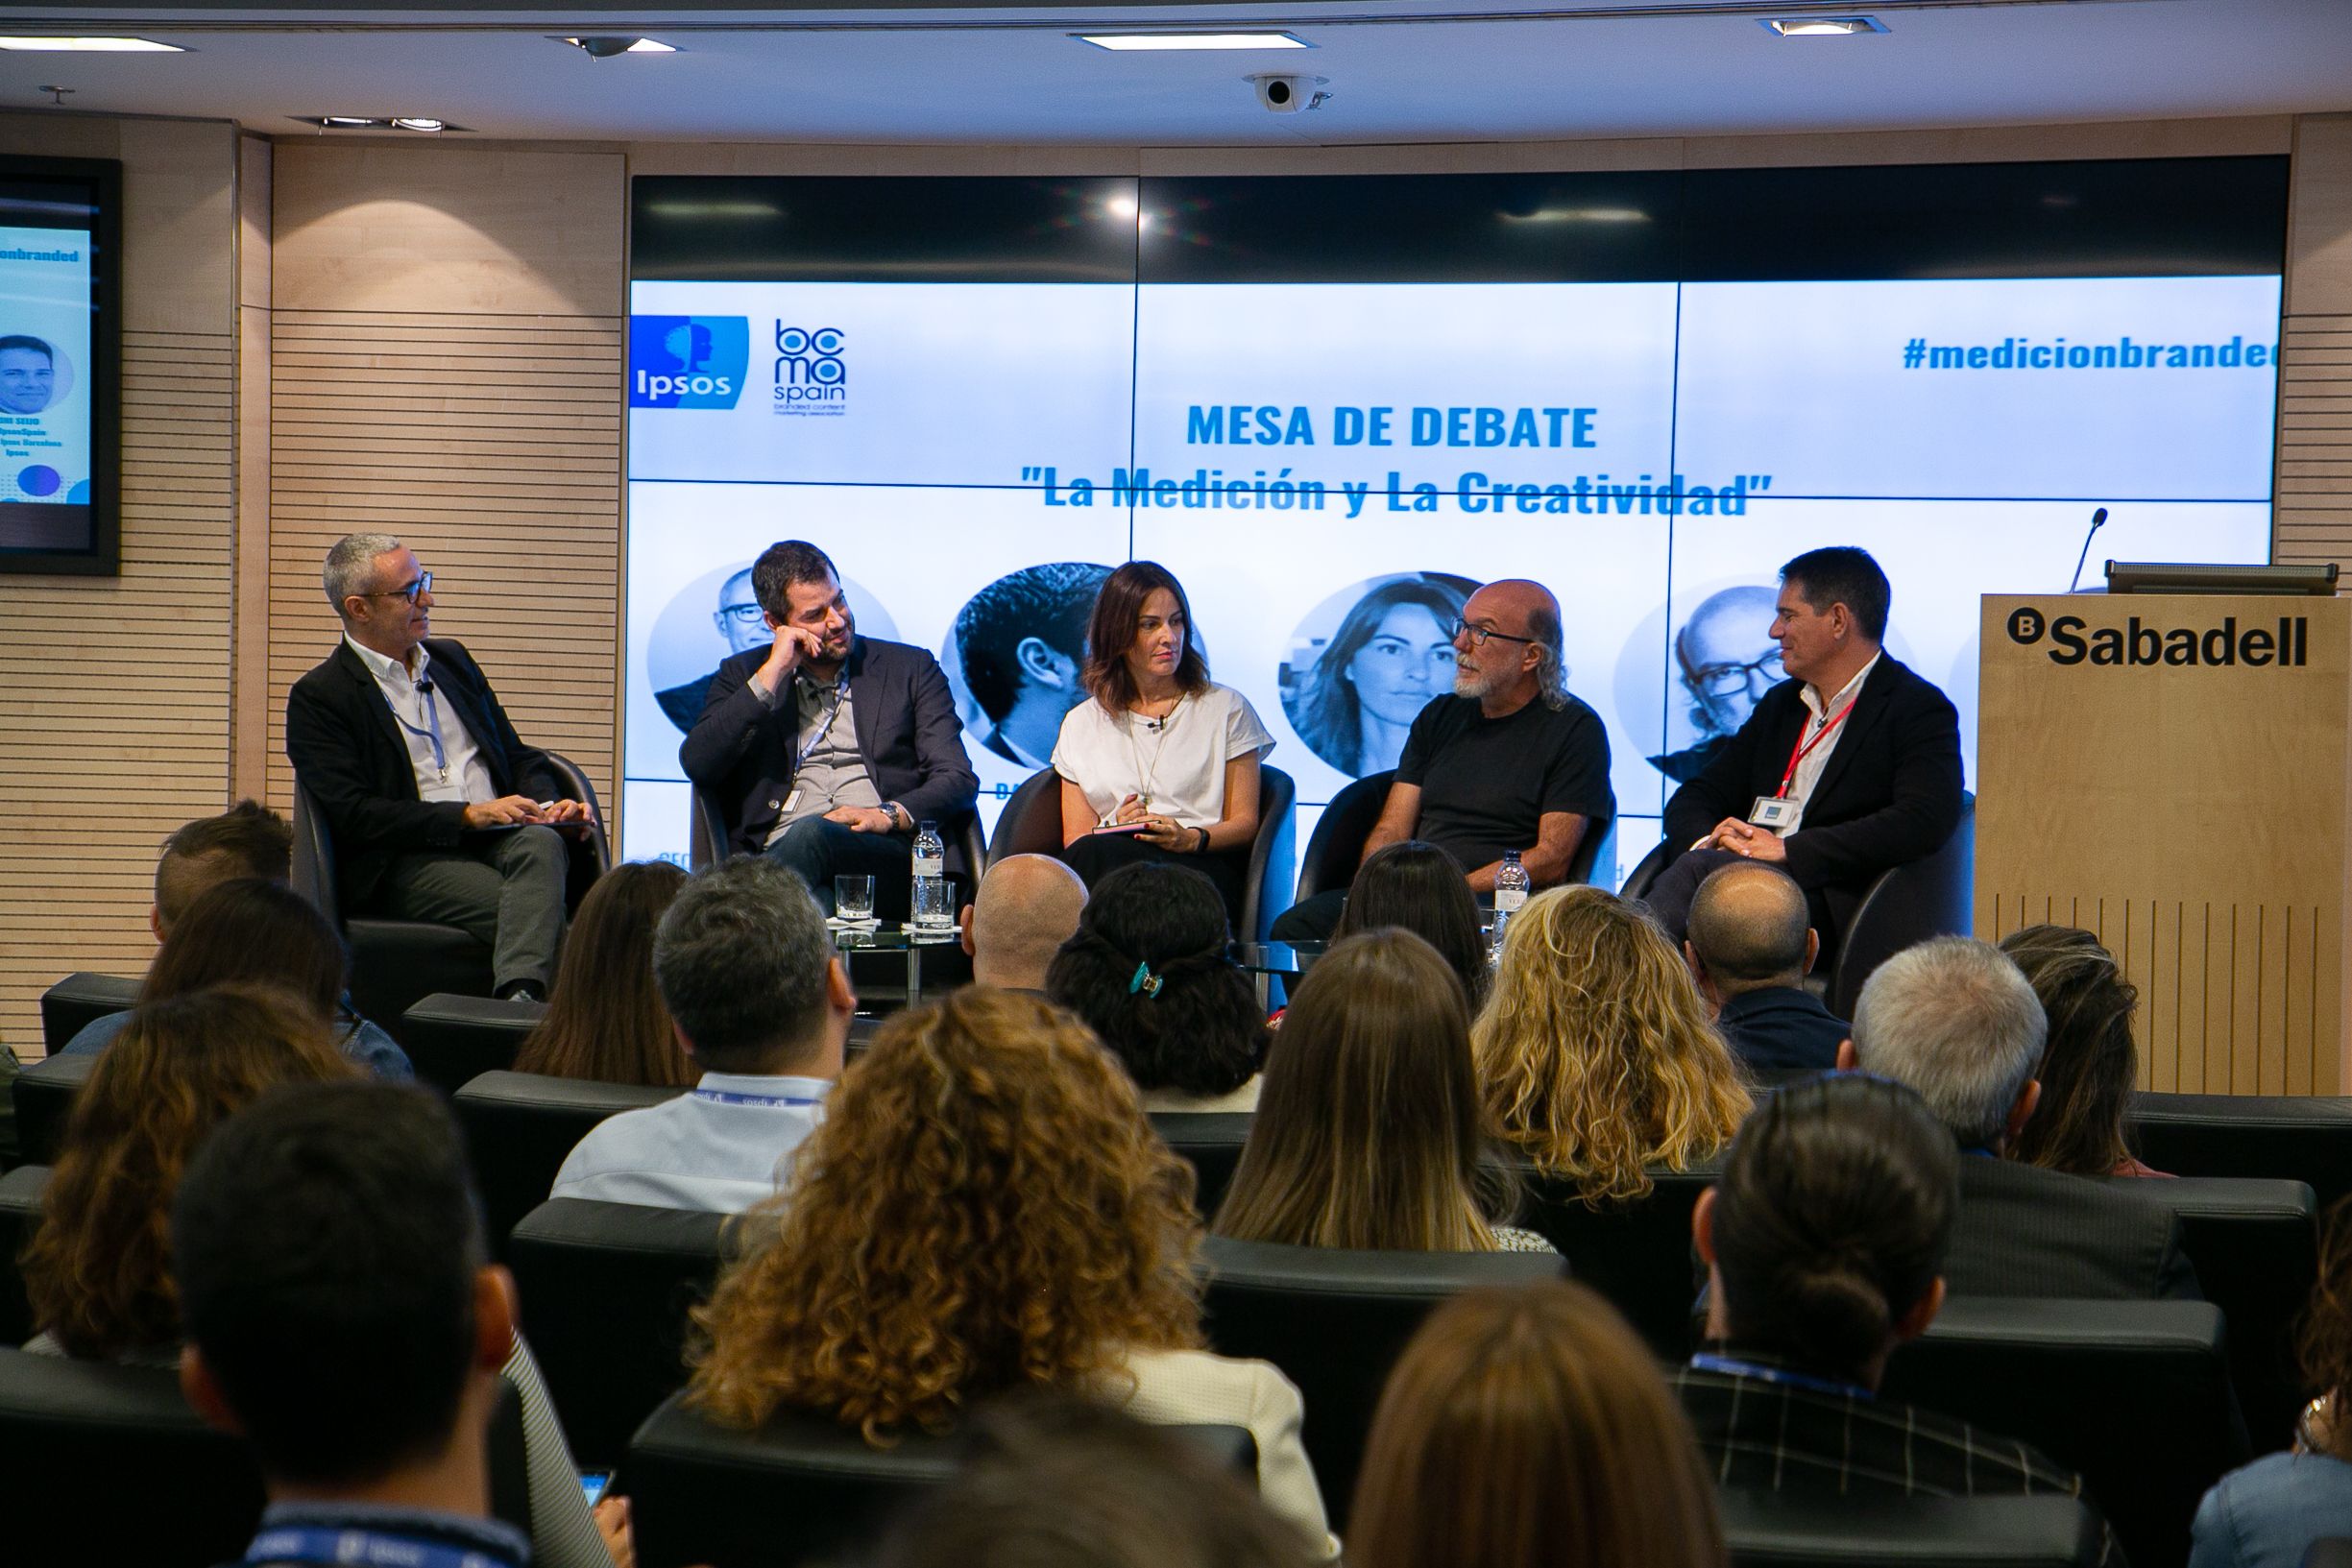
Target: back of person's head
1954 1019
1526 1427
605 1020
1831 1219
1367 1133
1055 1480
248 840
1748 926
249 930
2089 1064
1148 972
1844 574
743 961
1420 887
1026 907
1594 1053
330 1252
985 1207
98 1270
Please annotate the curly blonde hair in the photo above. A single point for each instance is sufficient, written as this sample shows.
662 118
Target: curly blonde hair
1594 1055
985 1207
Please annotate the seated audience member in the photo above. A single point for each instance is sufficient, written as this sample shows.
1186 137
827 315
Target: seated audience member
605 1020
1845 769
2269 1514
1148 972
1824 1243
2090 1064
1750 950
1955 1020
1594 1057
1528 1428
98 1273
761 1003
344 1319
1510 761
1417 888
884 1292
1368 1134
1162 747
268 933
1026 907
1063 1482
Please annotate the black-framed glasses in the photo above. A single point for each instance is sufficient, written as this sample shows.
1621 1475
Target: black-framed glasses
742 614
422 583
1479 635
1724 680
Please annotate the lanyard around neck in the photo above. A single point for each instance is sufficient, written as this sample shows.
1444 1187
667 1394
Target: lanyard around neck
1710 1361
432 736
1804 745
366 1548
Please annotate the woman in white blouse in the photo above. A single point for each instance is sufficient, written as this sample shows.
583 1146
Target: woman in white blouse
1162 763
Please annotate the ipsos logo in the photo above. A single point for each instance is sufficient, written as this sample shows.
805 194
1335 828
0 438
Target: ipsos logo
810 364
687 361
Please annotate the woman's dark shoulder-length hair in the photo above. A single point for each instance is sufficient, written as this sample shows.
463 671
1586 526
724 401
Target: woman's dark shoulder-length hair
1418 887
1118 609
1324 708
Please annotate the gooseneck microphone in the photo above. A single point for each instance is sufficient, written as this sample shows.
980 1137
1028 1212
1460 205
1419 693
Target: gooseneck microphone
2099 520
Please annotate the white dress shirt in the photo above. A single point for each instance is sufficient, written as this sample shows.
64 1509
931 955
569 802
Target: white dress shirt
460 774
716 1149
1811 764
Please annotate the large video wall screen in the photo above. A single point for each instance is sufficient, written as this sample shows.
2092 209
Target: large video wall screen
1334 405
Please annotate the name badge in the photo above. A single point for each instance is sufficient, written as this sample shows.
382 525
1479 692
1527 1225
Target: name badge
1775 812
791 802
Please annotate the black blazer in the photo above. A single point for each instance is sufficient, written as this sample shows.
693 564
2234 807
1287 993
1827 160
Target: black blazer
349 752
740 751
1889 794
1777 1028
2029 1232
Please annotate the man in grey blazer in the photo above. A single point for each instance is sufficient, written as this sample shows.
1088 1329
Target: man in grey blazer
1956 1021
825 749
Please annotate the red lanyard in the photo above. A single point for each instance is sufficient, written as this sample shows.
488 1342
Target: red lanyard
1804 747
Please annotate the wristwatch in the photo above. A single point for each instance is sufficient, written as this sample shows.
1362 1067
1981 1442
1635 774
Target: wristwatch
899 814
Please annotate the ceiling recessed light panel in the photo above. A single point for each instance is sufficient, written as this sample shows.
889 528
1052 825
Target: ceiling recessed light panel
1173 41
90 46
607 45
1823 27
378 122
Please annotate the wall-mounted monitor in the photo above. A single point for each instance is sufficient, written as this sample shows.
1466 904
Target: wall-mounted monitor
61 340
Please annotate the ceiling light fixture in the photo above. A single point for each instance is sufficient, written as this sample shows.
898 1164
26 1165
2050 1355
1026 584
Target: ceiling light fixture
1823 27
606 45
412 123
1167 41
90 46
378 122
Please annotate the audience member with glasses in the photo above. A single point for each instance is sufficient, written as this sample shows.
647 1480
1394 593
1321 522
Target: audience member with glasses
437 809
1510 762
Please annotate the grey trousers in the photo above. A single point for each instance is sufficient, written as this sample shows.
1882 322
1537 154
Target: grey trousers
509 893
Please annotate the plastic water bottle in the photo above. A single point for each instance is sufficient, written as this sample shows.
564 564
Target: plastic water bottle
931 910
1510 892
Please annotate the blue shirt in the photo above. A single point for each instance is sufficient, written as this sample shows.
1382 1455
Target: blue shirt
358 1039
2268 1514
716 1149
489 1541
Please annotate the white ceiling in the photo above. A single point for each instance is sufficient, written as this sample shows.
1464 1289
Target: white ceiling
1401 70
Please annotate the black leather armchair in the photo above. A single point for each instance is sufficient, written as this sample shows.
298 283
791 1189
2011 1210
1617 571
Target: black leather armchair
451 1040
68 1006
21 1195
1637 1254
1778 1530
605 1289
44 1097
1210 1142
2286 1137
519 1127
1335 1321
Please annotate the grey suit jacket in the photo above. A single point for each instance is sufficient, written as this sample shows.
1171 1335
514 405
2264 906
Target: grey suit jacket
2023 1231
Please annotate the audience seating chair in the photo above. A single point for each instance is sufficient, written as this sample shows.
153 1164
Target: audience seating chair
397 962
709 833
604 1291
2134 1395
2333 1551
44 1097
2285 1137
1637 1255
803 1490
1774 1529
68 1006
452 1039
1335 1321
1335 849
21 1191
1210 1142
520 1126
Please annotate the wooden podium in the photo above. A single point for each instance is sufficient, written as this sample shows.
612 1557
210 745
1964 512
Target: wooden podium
2172 773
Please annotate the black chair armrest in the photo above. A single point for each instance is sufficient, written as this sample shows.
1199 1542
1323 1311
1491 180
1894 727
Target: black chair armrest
69 1005
45 1094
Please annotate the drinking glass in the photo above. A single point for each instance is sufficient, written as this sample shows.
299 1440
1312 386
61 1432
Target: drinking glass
853 897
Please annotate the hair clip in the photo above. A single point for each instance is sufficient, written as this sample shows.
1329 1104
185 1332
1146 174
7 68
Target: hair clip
1145 980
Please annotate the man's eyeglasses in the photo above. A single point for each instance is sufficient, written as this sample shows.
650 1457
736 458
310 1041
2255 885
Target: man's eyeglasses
423 583
742 614
1479 635
1725 680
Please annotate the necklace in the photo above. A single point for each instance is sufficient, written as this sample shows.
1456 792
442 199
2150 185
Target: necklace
1149 777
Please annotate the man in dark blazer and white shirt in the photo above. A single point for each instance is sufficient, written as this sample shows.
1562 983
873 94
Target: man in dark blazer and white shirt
437 809
1847 768
825 749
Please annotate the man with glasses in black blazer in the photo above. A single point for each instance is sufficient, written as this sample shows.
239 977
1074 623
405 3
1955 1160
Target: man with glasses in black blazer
437 809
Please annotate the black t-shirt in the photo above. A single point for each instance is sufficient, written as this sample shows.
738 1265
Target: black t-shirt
1486 782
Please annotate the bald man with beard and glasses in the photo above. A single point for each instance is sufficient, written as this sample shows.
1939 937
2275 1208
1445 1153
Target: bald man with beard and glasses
1509 762
1027 908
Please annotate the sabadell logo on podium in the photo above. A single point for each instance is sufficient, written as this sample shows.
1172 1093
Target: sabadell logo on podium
2137 643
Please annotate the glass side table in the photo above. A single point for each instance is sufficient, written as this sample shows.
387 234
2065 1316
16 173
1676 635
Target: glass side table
889 936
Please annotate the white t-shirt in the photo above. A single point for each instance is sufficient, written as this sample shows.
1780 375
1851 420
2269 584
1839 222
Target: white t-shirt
1181 765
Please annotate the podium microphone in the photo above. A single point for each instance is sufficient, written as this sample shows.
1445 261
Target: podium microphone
2099 520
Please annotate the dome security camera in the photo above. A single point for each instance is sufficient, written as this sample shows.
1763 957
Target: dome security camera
1282 93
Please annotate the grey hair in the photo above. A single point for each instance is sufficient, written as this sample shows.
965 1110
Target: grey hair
1957 1020
1551 674
740 958
350 565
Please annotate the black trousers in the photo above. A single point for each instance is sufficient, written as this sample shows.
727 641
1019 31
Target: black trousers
1098 854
